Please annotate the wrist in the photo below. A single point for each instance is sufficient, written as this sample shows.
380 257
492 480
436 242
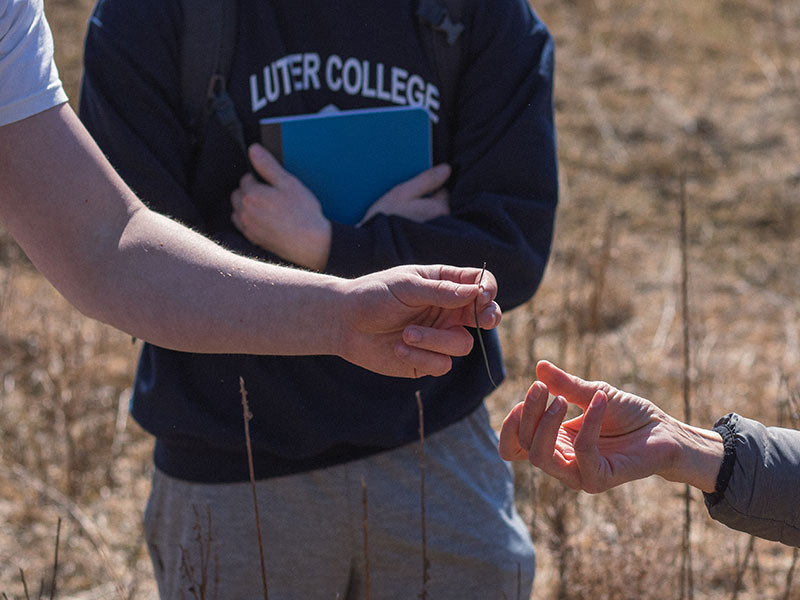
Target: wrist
338 311
698 459
317 245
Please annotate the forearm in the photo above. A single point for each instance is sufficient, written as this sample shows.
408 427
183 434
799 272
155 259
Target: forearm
216 301
760 497
127 266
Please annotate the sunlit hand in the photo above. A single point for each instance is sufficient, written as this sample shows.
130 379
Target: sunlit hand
408 321
618 438
281 216
420 199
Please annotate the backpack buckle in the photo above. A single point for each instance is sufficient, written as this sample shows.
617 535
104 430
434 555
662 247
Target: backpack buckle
437 17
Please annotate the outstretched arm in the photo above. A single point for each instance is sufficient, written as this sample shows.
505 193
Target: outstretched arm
749 475
123 264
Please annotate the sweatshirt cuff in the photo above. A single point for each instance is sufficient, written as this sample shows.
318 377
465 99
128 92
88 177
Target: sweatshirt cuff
726 427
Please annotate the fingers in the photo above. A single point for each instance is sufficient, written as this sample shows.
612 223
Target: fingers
544 439
534 407
424 209
237 221
509 446
266 165
449 288
519 426
455 341
471 276
405 201
422 362
544 452
236 200
489 312
442 286
561 383
489 317
587 454
425 183
466 275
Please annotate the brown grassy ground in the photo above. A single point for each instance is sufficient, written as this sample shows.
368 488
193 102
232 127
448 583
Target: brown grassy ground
645 90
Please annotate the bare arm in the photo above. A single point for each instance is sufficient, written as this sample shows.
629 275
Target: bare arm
120 263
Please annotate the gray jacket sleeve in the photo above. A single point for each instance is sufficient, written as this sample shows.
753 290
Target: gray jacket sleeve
758 487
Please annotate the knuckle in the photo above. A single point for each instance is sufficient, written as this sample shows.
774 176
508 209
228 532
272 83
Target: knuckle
537 460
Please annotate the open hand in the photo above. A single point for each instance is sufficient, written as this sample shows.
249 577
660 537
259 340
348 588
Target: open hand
282 216
618 438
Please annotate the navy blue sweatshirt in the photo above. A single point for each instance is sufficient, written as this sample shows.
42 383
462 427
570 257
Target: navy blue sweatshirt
297 57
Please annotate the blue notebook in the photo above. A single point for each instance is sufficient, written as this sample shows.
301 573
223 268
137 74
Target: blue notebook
349 159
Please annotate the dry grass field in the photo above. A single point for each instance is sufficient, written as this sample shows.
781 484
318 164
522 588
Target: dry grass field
646 90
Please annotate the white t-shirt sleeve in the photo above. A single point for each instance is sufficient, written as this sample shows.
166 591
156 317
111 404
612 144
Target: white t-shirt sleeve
29 81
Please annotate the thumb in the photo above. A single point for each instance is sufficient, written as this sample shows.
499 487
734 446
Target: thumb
266 165
574 389
421 292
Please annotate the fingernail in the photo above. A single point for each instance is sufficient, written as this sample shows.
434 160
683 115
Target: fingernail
257 151
413 335
555 405
402 351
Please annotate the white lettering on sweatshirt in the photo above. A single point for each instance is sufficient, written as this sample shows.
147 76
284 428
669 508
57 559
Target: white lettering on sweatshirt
295 73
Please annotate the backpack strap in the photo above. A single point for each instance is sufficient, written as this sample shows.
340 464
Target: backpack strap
442 33
207 44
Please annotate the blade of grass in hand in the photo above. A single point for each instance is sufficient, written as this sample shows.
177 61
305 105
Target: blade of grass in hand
480 337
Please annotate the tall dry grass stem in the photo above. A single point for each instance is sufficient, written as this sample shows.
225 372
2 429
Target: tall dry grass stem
187 570
686 571
596 297
561 545
205 545
423 595
787 591
788 416
567 315
478 331
738 584
55 561
24 584
247 416
366 538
